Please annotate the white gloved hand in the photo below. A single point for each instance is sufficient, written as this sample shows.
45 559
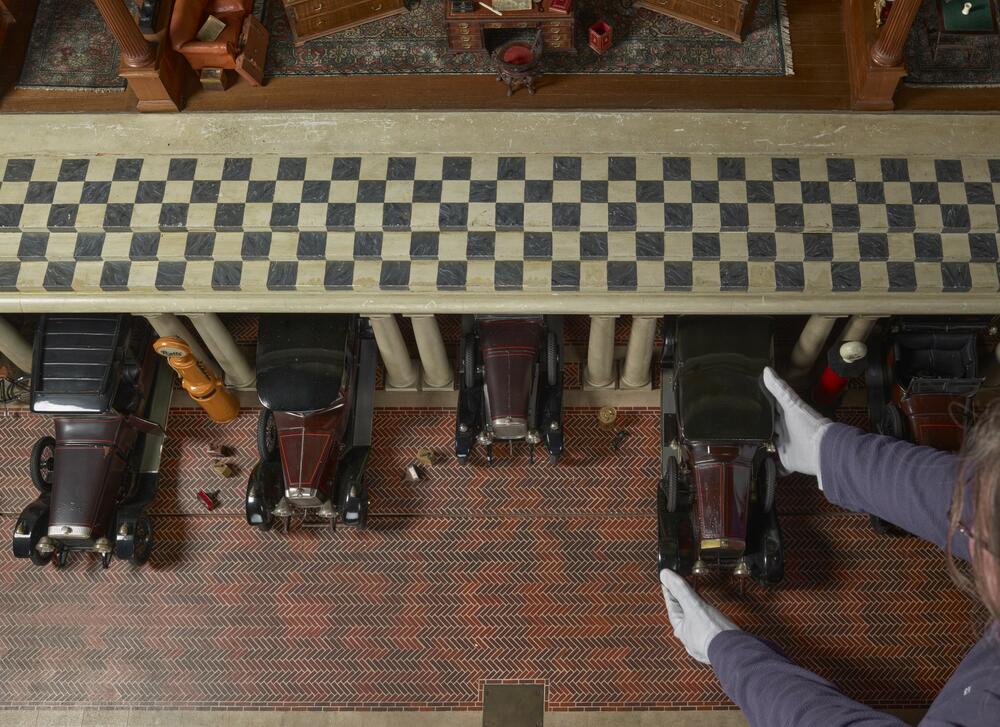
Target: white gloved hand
797 426
695 622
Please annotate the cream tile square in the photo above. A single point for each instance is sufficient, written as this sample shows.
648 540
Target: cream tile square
901 246
593 276
845 247
319 168
952 192
396 246
874 277
928 277
367 274
34 217
124 192
921 169
228 246
565 246
198 275
343 191
482 216
649 216
423 275
68 193
452 246
146 217
116 246
508 246
257 216
677 246
732 246
61 246
455 190
154 168
424 216
706 217
101 169
758 168
813 168
984 277
178 191
374 167
340 246
649 167
209 168
368 216
538 166
172 246
479 275
677 192
288 191
537 275
484 167
817 217
399 190
31 274
649 275
868 169
201 217
233 191
311 274
87 275
787 193
312 216
427 166
90 217
898 192
873 217
142 275
569 190
284 246
983 217
843 193
704 167
818 280
733 192
13 192
621 191
594 167
705 277
510 191
760 277
46 169
621 245
594 216
538 216
927 216
254 277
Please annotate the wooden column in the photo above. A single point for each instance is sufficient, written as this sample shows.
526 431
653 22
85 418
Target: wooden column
888 49
875 59
136 52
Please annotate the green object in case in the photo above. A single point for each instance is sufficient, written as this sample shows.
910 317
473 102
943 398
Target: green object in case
979 19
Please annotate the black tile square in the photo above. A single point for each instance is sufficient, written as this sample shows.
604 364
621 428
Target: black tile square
75 170
734 216
482 191
18 170
229 215
760 192
510 168
565 216
451 274
205 192
788 217
33 246
948 170
424 245
678 275
315 191
509 216
170 275
845 276
732 169
593 245
677 216
761 246
291 169
817 246
785 170
789 276
621 216
285 215
979 193
565 275
840 170
569 168
346 169
62 216
89 246
339 275
453 216
622 275
282 275
900 217
371 190
895 170
456 168
508 274
593 191
173 215
927 247
236 169
538 190
149 192
994 165
924 193
127 170
144 246
397 215
649 245
956 276
676 169
427 190
815 192
873 246
311 246
538 245
95 193
226 275
256 245
10 215
340 216
733 275
902 277
114 275
983 247
704 191
955 218
59 275
199 246
621 169
367 245
118 216
394 275
705 246
646 191
401 168
181 170
845 217
8 275
481 245
870 192
260 191
40 193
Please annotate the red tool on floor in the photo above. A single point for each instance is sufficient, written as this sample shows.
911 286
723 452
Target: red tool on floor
209 499
844 363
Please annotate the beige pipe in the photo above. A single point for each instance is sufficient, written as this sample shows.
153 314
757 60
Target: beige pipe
810 345
14 347
636 372
858 328
400 372
168 325
224 350
600 370
437 371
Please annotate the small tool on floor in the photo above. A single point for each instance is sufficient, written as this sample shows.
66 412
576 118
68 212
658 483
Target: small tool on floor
209 499
606 417
218 451
413 473
223 469
425 456
619 439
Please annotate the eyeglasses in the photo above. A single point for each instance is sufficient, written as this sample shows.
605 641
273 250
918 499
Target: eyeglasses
962 528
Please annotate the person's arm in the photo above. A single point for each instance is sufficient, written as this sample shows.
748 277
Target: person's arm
774 692
902 483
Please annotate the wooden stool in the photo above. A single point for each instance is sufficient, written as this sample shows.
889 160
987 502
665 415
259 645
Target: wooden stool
516 63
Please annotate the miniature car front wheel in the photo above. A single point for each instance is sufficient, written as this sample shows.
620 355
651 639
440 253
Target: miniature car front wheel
469 361
768 480
43 464
267 436
892 424
39 559
552 359
142 540
669 485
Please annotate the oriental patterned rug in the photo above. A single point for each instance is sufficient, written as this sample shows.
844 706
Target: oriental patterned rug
644 42
975 63
70 49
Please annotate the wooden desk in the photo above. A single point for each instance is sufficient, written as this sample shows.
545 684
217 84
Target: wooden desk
466 31
732 18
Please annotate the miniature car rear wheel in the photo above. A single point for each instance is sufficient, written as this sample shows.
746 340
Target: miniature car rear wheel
142 540
892 424
259 508
39 559
552 359
469 361
267 436
767 483
106 559
669 485
43 464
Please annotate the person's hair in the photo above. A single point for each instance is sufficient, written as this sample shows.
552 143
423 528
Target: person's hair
976 502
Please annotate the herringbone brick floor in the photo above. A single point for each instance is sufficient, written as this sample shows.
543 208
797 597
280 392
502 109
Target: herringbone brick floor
474 574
